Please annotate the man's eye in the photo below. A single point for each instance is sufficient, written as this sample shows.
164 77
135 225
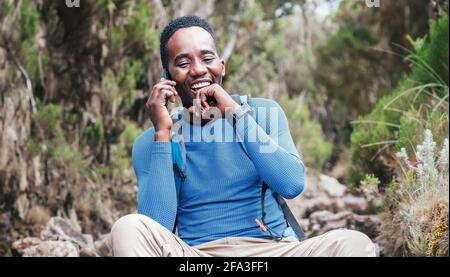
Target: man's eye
183 65
208 60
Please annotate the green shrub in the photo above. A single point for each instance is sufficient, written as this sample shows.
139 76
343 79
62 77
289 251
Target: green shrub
129 135
419 102
29 19
49 117
30 57
121 86
306 133
68 160
6 8
95 133
121 155
136 32
350 72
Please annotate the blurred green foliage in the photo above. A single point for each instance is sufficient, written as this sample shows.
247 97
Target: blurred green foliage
95 133
306 133
361 61
135 32
6 8
31 58
65 157
29 19
419 102
122 150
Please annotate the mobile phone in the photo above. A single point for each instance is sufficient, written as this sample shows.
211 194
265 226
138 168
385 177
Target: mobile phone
166 74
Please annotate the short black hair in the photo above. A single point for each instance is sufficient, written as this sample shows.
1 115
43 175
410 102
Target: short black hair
175 25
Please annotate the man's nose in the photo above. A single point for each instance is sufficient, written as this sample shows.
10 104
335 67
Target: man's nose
198 69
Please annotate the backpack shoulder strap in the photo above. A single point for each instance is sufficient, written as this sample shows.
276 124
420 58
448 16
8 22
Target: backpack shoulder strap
288 215
178 160
290 218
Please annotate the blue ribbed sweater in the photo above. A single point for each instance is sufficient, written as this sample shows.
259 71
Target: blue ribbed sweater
221 194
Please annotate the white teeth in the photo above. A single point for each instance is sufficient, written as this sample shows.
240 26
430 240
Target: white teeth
200 85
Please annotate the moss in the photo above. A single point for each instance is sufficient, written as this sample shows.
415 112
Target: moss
29 19
33 147
99 173
117 37
65 157
129 135
121 85
95 133
133 70
49 117
29 57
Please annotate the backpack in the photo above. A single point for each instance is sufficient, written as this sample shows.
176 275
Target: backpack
179 166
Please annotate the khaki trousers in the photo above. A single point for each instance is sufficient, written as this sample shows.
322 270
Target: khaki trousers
139 235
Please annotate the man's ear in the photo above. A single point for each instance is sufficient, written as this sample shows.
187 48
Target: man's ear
222 61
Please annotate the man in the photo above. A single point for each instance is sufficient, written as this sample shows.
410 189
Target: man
220 197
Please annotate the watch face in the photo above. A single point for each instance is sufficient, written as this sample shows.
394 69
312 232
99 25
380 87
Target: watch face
240 112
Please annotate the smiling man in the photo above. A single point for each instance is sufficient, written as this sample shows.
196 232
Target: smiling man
215 209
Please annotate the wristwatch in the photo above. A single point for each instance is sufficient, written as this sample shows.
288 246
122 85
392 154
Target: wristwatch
239 113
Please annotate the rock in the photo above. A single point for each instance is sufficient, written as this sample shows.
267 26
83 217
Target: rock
331 186
304 207
304 224
15 132
34 247
324 221
58 239
59 228
355 203
104 246
368 224
311 188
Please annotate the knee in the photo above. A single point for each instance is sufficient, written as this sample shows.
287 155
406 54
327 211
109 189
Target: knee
130 223
129 233
126 222
354 243
130 226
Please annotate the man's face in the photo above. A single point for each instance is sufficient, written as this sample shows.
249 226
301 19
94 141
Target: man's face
193 62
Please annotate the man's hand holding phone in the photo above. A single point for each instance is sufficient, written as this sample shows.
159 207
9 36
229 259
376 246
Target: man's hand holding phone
156 105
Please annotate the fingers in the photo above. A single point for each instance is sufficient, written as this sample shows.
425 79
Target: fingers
164 90
197 106
201 97
168 94
165 81
202 101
